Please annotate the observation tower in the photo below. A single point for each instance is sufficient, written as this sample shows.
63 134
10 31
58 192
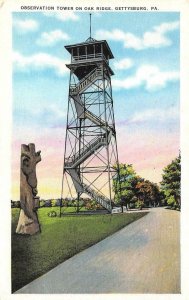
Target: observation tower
91 152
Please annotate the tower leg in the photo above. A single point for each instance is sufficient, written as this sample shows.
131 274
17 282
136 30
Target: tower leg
78 198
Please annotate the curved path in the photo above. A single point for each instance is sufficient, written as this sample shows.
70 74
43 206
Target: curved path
143 257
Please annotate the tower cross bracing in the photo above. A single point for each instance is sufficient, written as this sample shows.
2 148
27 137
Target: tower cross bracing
90 153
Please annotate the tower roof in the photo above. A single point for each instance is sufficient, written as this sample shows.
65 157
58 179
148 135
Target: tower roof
91 41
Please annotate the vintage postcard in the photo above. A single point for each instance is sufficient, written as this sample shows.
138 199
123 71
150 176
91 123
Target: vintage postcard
94 149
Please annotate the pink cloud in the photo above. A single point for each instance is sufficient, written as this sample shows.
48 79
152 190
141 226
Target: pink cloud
149 153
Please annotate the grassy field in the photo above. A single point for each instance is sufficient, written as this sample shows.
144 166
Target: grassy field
60 239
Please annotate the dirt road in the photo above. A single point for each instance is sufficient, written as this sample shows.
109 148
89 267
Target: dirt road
144 257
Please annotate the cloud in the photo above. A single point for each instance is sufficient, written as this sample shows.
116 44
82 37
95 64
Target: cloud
51 38
149 76
52 112
26 25
63 16
159 115
56 111
39 61
123 64
151 39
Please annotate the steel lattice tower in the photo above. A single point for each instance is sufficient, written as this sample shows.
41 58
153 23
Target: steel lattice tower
90 144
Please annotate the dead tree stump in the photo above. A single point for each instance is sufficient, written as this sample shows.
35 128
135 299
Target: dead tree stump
28 220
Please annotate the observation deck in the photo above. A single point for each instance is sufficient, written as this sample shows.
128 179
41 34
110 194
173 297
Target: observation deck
86 56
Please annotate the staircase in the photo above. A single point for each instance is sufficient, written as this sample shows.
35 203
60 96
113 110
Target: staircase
72 163
85 152
86 82
77 89
97 121
102 200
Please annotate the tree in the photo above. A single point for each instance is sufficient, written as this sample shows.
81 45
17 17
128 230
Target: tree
124 184
170 184
148 192
134 190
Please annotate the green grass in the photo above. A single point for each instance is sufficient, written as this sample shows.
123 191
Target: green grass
60 238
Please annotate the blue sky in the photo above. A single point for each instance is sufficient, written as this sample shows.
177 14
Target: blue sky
145 84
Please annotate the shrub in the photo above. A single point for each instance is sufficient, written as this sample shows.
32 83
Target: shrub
131 205
42 203
163 202
81 202
53 203
91 205
134 199
69 203
74 203
171 201
58 202
133 202
48 203
139 204
16 204
52 214
98 206
88 206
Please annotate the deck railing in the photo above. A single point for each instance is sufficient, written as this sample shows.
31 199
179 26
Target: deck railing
77 58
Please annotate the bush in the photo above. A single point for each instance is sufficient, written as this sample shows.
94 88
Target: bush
59 201
133 202
98 206
69 203
48 203
16 204
53 203
139 204
131 205
52 214
92 205
163 202
42 203
134 199
171 201
74 203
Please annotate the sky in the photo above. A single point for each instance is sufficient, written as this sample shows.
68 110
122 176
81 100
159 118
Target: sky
145 88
